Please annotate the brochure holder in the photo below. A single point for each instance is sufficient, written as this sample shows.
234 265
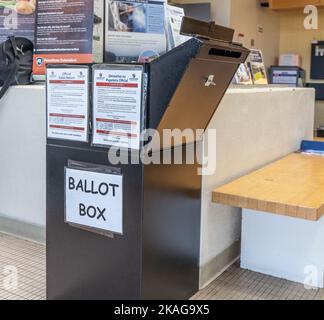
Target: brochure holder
155 255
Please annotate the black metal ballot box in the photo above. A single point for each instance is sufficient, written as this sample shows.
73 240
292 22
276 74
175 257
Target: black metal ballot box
128 230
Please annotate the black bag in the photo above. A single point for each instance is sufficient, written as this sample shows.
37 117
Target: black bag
16 63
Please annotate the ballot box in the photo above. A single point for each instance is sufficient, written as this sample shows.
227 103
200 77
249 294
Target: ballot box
128 229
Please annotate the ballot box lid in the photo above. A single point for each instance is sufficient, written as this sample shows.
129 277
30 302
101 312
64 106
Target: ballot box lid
204 29
202 87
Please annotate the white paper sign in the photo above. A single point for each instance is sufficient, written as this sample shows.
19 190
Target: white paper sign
174 17
67 103
117 108
94 200
289 77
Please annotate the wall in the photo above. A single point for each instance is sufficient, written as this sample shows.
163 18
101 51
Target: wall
285 255
220 9
23 162
246 16
294 38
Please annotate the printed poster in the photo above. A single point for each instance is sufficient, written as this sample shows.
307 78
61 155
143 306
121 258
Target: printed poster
17 18
117 107
64 33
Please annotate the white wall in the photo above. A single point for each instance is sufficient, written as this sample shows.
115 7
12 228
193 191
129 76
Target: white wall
294 38
23 155
254 127
268 248
220 9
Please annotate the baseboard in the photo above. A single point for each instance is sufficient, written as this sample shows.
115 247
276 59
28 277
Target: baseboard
214 268
22 229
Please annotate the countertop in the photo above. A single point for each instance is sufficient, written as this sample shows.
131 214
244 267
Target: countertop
292 186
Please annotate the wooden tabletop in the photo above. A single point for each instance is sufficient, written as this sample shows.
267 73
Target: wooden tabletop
292 186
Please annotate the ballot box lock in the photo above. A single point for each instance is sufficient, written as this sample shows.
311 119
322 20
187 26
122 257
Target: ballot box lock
210 81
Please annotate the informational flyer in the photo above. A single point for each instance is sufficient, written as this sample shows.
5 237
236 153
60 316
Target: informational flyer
117 107
98 31
64 33
67 103
17 18
257 67
243 75
174 17
135 30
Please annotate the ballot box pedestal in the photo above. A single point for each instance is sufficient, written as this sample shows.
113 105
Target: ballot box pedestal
157 257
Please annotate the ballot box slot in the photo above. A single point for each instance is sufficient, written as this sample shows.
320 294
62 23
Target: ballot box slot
225 53
228 53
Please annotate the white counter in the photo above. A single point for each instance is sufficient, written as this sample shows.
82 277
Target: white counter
255 126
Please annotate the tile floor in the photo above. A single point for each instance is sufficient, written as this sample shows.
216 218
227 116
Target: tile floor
238 284
22 269
22 276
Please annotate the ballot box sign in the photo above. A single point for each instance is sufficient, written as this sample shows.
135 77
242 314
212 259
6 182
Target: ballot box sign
94 200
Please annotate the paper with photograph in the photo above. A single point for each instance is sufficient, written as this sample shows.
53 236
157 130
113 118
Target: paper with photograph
135 30
174 17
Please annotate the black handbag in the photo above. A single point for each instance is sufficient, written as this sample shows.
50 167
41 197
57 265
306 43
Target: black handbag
16 63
